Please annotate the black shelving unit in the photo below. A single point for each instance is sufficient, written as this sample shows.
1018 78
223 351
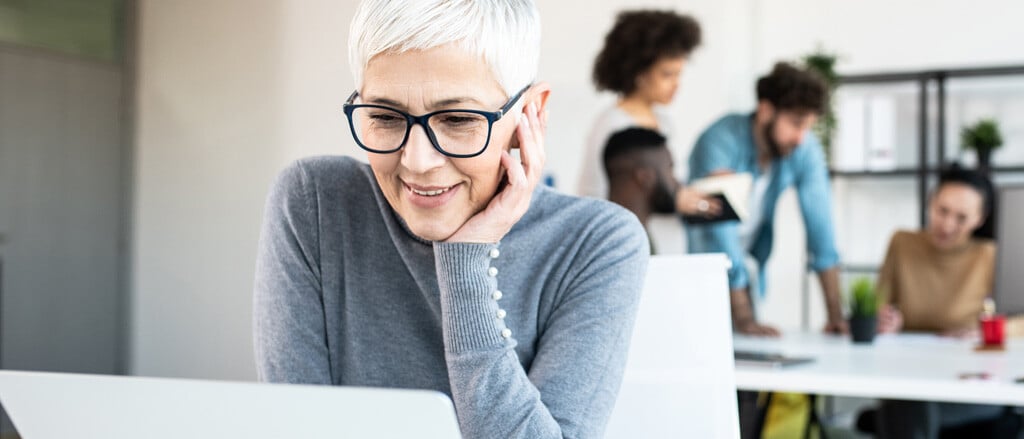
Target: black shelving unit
906 172
934 81
925 80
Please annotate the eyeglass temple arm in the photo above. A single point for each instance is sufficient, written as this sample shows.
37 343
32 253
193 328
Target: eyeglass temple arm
512 102
352 97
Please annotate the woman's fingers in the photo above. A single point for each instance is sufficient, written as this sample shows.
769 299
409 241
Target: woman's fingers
889 319
521 176
531 143
525 173
515 174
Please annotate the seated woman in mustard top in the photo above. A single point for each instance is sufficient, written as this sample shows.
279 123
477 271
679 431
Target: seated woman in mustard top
936 280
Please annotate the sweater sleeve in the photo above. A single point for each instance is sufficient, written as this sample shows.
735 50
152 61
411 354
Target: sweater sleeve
288 313
573 381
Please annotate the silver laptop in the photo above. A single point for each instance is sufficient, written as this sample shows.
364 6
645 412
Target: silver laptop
767 359
1009 288
56 405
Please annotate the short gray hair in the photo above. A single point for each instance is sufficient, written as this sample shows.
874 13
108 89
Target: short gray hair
504 33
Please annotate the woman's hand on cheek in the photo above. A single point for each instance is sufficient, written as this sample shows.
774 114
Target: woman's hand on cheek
522 175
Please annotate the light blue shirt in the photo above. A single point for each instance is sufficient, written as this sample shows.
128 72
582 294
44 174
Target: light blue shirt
729 145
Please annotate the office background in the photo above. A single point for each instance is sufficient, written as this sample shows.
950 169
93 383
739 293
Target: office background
221 95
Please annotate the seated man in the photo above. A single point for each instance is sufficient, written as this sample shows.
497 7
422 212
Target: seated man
935 280
640 173
775 146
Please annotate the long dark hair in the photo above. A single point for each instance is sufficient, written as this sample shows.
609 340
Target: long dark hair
979 182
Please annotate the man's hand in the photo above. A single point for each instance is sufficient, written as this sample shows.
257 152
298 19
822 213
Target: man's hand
751 327
837 326
693 202
743 320
509 205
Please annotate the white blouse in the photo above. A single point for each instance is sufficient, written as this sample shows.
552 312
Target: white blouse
593 182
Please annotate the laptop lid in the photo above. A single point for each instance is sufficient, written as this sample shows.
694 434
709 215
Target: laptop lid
57 405
767 359
1009 288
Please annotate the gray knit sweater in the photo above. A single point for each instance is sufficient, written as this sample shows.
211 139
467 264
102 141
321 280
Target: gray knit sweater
529 340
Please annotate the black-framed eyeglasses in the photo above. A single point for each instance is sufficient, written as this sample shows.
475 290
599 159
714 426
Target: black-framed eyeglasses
454 133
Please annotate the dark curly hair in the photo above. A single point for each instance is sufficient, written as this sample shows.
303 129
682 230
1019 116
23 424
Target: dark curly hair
637 41
791 88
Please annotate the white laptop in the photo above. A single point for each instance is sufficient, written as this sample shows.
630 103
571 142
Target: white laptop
56 405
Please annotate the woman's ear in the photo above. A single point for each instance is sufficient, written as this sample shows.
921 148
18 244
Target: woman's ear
538 95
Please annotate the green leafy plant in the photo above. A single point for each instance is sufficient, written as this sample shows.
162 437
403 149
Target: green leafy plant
863 298
984 135
824 64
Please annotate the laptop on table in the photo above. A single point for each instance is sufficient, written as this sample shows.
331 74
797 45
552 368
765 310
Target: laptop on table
58 405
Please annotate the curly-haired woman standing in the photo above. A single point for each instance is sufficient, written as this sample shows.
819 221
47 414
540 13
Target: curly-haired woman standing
641 61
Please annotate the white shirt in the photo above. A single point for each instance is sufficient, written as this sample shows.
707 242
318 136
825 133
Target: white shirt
593 182
755 208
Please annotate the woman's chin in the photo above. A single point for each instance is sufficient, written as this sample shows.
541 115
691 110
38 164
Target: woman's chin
432 231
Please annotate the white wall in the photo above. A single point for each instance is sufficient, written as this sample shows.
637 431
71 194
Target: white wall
210 106
885 35
317 78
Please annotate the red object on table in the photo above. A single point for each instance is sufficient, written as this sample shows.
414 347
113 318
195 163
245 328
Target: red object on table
993 330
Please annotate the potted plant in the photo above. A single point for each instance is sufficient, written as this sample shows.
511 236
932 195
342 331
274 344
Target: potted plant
983 137
863 311
824 64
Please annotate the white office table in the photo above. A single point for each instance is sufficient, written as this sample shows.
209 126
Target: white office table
904 366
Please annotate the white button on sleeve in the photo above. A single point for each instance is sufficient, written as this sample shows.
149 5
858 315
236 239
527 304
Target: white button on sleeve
506 333
492 272
501 313
495 253
496 295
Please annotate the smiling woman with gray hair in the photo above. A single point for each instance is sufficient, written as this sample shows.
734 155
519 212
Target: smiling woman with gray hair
442 264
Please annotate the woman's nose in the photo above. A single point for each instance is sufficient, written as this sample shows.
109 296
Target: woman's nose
419 155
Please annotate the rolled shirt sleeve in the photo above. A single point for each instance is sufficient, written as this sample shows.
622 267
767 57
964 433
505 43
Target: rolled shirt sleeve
815 198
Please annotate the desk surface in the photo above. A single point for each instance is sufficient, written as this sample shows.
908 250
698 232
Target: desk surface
904 366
